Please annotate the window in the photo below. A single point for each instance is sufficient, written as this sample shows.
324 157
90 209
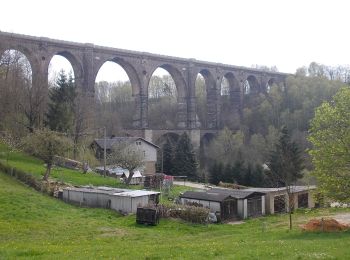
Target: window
138 142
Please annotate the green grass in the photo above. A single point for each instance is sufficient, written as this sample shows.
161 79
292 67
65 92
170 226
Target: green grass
35 226
36 167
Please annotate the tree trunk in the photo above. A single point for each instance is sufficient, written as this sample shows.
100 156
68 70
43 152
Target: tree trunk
128 180
47 173
290 219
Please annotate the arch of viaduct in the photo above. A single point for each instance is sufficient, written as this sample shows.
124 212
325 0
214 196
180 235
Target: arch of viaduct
86 60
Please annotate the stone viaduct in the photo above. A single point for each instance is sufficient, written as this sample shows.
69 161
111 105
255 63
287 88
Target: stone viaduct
86 60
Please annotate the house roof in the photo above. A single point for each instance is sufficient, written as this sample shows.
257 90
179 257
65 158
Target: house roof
220 195
117 140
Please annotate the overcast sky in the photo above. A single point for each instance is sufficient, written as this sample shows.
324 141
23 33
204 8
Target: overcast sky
283 33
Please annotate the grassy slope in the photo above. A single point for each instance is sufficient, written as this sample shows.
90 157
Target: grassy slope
33 225
36 167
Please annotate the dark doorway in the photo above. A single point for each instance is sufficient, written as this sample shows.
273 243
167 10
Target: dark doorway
229 209
303 200
254 207
280 204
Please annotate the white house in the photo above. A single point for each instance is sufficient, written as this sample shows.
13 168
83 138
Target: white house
148 149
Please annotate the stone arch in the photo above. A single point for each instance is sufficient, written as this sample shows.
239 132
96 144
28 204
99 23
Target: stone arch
233 84
128 68
75 63
211 109
181 88
251 85
269 84
34 64
230 106
177 77
174 137
209 79
130 112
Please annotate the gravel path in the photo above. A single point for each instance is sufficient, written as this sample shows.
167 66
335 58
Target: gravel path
342 218
192 184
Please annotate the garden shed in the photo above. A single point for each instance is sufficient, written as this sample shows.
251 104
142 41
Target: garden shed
123 200
229 204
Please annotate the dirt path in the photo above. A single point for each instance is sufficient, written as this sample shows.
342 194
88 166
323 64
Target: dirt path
191 184
342 218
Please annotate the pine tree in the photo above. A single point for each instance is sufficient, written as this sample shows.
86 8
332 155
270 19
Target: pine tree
285 166
238 171
216 173
185 162
227 174
61 107
168 157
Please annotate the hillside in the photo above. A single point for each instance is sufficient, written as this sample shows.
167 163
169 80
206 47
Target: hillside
33 225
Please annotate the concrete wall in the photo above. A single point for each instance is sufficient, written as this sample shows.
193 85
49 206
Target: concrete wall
128 204
90 199
270 196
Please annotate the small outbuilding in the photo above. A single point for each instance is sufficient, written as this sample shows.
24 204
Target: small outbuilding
228 204
123 200
277 199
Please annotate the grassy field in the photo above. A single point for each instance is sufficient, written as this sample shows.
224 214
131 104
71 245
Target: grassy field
36 167
33 225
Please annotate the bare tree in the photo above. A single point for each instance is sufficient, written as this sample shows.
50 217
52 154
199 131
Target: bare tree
83 120
127 156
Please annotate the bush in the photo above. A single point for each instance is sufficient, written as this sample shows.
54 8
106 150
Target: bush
191 214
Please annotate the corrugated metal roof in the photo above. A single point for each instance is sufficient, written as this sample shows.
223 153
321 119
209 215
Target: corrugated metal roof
203 195
239 194
113 191
293 189
102 190
136 193
219 195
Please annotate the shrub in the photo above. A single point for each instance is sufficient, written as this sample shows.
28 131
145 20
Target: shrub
187 213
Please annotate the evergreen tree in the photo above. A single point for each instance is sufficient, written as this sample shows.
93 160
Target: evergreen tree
216 173
238 171
168 157
185 162
227 174
285 166
248 176
60 113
